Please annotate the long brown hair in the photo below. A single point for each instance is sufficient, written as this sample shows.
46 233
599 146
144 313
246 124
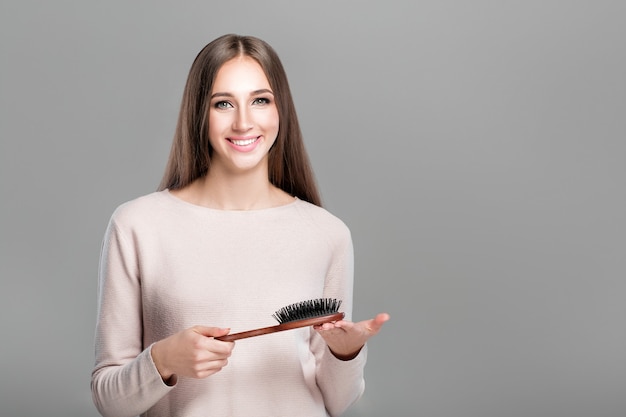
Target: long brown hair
190 155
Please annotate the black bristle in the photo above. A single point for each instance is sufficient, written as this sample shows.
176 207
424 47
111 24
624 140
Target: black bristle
307 309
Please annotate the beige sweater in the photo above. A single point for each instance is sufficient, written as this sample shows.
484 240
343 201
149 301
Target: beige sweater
167 265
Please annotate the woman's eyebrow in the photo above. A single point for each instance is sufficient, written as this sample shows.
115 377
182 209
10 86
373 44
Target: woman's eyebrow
253 93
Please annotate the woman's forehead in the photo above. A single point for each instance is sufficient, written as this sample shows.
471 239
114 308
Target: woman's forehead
239 75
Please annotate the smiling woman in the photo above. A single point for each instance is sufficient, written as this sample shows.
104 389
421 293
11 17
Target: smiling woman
235 232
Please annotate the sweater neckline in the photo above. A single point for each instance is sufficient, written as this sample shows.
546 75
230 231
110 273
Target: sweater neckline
180 201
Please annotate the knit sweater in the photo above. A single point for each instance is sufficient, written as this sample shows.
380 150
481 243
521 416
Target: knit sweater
167 265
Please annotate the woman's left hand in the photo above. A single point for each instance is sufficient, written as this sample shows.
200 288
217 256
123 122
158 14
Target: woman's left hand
346 339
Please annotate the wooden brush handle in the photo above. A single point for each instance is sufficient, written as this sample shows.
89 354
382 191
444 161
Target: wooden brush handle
281 327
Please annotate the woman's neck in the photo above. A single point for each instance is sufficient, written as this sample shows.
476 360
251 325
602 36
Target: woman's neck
233 192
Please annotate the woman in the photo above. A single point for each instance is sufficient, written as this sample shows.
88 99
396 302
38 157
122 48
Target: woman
234 233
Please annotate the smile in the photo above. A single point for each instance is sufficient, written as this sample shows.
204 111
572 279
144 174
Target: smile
244 142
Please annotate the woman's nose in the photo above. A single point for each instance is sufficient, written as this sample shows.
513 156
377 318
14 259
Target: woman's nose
243 120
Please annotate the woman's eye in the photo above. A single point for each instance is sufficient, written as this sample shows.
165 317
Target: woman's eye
261 100
222 105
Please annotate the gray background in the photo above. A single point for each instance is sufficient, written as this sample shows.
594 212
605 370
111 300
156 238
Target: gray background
475 148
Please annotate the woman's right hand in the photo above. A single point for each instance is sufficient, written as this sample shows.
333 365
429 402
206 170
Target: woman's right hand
192 353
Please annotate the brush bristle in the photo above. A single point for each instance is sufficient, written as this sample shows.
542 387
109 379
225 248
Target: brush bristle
307 309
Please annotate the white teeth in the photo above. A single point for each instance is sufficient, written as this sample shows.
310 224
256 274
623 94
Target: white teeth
243 142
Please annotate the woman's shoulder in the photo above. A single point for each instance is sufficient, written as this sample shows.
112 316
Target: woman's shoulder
321 217
142 207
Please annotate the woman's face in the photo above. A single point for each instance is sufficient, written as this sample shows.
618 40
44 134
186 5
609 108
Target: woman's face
243 117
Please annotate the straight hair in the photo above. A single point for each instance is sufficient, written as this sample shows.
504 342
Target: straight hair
190 154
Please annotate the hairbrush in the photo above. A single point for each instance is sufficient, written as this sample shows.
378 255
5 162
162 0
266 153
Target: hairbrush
293 316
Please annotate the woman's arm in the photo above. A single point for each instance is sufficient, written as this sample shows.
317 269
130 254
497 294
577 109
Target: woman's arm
125 380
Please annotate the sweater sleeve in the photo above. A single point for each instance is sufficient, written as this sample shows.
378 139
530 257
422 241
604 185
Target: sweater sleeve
125 381
341 382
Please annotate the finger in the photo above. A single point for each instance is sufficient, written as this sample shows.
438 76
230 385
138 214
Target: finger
382 318
212 368
377 322
333 325
211 331
219 348
208 343
217 364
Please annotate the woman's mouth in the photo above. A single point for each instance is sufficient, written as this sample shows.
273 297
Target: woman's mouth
243 142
